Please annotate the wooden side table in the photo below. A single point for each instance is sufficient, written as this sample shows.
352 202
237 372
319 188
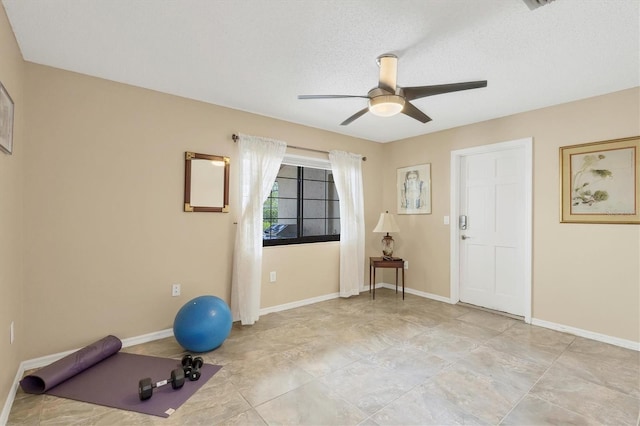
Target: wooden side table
380 262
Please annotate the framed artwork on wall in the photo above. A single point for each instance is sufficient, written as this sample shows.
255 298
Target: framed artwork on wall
600 182
414 189
206 183
6 121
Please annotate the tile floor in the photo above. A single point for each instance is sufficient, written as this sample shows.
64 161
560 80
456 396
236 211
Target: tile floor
387 362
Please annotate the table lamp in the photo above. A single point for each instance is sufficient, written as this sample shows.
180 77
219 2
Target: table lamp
387 224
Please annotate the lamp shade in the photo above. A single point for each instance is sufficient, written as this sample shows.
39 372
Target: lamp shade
387 223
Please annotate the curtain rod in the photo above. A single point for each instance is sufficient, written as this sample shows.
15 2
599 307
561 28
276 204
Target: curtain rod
236 137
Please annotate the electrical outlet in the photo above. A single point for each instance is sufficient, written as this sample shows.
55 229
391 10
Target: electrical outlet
175 290
406 264
272 276
12 335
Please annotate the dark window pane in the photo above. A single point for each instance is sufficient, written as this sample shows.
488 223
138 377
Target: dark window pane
314 209
288 171
333 226
287 208
314 227
281 231
287 187
315 190
332 193
333 209
315 174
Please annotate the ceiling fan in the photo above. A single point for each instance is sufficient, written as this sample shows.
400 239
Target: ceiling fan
390 99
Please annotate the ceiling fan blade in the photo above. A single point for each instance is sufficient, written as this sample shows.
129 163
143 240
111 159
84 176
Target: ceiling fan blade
418 92
355 116
330 96
413 112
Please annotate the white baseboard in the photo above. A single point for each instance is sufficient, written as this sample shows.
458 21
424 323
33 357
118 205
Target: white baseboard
4 416
417 293
131 341
145 338
628 344
616 341
299 303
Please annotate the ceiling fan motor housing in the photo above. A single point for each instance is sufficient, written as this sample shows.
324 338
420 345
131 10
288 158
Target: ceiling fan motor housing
388 64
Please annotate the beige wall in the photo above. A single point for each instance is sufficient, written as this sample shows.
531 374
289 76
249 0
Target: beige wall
584 275
105 232
11 214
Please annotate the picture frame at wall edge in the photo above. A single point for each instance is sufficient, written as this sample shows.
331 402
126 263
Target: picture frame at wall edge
6 121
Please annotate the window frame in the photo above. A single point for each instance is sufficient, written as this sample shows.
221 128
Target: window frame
304 162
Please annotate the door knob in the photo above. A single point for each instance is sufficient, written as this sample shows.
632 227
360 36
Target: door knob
464 237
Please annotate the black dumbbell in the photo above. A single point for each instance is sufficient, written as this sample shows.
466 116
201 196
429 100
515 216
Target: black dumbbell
146 386
191 366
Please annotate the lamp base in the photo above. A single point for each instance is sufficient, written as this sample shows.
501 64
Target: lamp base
387 245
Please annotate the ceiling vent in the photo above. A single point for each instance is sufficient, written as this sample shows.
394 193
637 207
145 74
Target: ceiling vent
534 4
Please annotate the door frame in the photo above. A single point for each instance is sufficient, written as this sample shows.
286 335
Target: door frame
525 144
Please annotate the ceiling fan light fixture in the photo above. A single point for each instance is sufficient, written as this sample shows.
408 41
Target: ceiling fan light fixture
386 105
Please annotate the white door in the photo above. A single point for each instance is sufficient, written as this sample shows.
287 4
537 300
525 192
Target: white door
492 240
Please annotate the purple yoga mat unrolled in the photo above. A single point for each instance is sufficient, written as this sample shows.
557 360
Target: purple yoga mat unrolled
113 380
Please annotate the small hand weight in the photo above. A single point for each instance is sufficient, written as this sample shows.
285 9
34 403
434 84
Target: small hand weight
187 362
191 366
146 386
195 368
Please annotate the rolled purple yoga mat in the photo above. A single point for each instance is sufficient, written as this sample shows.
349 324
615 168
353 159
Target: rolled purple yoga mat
71 365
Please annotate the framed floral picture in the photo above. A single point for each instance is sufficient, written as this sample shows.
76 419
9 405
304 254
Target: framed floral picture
414 189
6 121
600 182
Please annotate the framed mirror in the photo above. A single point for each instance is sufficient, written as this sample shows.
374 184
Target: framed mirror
206 183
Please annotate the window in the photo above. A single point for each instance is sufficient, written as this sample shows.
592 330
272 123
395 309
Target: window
303 207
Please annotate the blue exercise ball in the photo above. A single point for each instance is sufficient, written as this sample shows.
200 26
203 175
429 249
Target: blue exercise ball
202 324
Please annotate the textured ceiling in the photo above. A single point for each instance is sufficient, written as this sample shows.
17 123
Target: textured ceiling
258 55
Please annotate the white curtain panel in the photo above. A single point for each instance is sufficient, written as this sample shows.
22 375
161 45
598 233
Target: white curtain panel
259 162
347 174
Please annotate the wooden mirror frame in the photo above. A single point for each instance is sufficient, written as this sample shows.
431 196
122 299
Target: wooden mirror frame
189 182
